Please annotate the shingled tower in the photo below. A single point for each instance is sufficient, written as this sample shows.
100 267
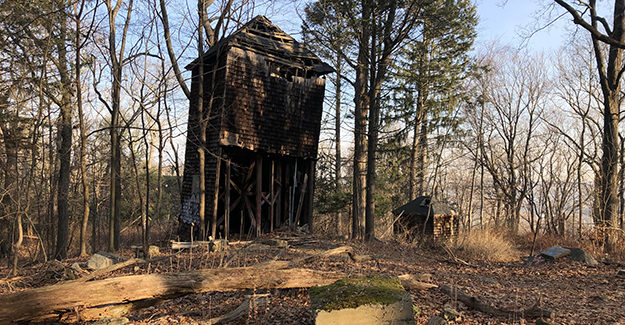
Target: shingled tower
263 97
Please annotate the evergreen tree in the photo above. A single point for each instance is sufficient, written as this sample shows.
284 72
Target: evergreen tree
430 74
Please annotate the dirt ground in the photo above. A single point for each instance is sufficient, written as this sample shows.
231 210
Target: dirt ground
578 294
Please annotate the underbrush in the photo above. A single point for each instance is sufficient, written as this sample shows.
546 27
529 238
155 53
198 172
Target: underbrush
486 245
590 242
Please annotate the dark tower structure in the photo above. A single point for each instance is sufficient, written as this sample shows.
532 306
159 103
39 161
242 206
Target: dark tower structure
262 104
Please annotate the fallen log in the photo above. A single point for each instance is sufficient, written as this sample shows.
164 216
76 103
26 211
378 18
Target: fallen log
66 297
473 302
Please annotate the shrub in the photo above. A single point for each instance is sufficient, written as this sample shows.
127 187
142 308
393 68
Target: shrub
486 245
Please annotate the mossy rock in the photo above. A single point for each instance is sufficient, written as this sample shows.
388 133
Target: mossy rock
373 299
351 293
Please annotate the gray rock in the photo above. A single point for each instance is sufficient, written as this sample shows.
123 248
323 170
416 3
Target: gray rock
541 321
436 320
102 260
99 261
621 272
555 252
579 255
112 321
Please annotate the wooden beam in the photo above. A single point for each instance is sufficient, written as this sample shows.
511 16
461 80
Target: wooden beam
278 197
302 197
273 200
241 226
216 196
310 194
259 189
227 205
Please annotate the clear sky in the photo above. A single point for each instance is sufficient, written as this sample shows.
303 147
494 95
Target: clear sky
508 22
511 22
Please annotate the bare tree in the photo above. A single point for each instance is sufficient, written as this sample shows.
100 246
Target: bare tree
610 70
515 101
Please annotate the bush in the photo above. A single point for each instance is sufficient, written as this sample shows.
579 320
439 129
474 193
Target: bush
486 245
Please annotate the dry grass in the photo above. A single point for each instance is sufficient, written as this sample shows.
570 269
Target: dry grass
486 245
591 242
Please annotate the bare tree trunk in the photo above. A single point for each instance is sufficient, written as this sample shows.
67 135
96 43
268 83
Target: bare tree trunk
360 128
621 179
580 193
65 150
610 71
117 60
372 134
83 141
337 141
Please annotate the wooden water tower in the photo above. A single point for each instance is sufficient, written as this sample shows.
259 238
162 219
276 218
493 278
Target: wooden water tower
263 98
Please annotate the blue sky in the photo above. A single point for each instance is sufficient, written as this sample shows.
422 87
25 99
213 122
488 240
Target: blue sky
505 21
510 22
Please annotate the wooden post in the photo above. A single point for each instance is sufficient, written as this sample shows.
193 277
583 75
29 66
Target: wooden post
292 197
310 193
279 196
287 195
273 197
227 199
302 197
216 196
241 226
259 188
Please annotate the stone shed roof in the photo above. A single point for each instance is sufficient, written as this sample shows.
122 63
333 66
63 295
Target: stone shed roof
420 206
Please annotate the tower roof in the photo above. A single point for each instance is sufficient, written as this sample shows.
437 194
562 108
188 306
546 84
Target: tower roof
261 36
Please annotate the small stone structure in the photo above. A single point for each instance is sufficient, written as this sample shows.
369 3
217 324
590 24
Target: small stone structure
438 218
367 300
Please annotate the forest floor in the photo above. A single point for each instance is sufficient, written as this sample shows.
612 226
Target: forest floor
576 293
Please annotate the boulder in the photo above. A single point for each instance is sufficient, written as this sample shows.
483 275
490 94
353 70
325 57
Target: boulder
620 272
101 260
579 255
555 252
367 300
